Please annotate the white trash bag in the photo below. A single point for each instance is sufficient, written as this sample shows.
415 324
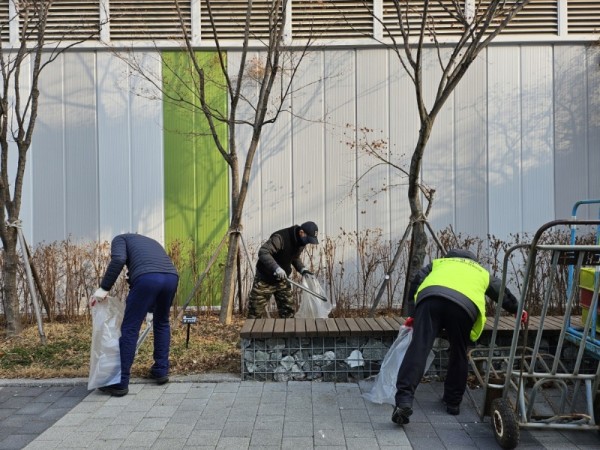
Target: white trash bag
384 387
105 357
312 307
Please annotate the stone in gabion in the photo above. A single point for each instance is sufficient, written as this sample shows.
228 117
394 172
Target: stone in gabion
276 344
287 362
375 350
261 356
297 373
335 371
281 374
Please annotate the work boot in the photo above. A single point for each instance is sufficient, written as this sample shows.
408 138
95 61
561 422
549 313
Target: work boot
401 414
115 390
451 409
160 380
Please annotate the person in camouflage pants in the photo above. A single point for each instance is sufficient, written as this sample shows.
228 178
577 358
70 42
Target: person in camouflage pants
275 260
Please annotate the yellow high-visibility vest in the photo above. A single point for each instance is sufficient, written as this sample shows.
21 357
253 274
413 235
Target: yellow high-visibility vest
465 276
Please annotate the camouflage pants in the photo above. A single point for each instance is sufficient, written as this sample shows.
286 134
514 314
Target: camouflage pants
261 294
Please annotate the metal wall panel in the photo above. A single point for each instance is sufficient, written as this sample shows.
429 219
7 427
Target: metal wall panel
252 219
114 138
593 120
372 109
48 158
470 143
308 147
537 137
146 147
504 141
570 133
404 133
534 108
130 134
438 158
81 145
276 166
340 161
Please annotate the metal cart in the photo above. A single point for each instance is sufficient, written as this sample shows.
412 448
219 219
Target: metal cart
538 384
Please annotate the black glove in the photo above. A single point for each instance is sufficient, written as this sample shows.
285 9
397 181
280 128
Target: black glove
306 272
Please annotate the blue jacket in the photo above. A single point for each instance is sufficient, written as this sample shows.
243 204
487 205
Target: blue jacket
140 254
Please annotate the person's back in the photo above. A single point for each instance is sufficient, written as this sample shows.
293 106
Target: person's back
140 254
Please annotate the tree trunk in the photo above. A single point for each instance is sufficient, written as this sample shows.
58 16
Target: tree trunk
9 285
227 298
419 236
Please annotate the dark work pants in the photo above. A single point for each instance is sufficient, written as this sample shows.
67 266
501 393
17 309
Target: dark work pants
151 292
430 316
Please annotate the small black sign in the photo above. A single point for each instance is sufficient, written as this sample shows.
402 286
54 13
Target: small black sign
189 319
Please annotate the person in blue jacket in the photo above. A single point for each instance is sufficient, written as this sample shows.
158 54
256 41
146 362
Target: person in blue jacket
153 281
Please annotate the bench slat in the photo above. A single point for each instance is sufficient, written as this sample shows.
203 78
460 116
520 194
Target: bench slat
365 329
353 327
279 328
290 326
300 327
267 329
385 326
393 323
374 325
342 326
246 330
321 327
311 328
332 328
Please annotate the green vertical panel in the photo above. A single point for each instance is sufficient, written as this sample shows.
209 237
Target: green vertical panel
196 176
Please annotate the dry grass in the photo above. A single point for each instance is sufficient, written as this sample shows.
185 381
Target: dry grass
213 348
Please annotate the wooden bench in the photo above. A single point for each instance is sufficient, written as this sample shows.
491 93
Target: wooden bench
306 343
274 328
373 327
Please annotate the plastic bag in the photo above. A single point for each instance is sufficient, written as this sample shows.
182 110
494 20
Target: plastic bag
384 388
312 307
105 357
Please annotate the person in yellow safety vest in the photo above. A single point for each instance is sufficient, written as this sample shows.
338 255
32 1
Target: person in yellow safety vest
449 294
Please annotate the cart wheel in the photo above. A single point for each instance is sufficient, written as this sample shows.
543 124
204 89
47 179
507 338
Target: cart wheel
504 423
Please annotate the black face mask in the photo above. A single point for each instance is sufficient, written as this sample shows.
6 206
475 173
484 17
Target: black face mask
304 240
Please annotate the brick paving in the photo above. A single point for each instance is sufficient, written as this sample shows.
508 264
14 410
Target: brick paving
226 413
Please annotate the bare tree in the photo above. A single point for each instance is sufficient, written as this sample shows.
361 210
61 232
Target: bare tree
411 28
19 102
270 75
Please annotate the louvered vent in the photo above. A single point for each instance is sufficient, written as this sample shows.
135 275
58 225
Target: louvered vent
4 25
583 16
332 19
229 19
537 17
68 20
148 19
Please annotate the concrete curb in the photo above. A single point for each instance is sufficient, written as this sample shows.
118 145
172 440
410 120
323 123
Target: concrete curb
199 378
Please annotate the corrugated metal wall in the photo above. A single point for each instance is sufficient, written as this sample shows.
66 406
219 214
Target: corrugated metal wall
515 146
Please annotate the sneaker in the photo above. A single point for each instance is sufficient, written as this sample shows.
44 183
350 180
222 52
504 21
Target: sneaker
114 390
401 415
159 380
453 410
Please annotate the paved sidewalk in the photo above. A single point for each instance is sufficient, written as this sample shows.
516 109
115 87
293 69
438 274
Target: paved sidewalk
226 413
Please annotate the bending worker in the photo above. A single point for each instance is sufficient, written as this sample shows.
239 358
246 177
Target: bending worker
275 260
153 280
449 294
